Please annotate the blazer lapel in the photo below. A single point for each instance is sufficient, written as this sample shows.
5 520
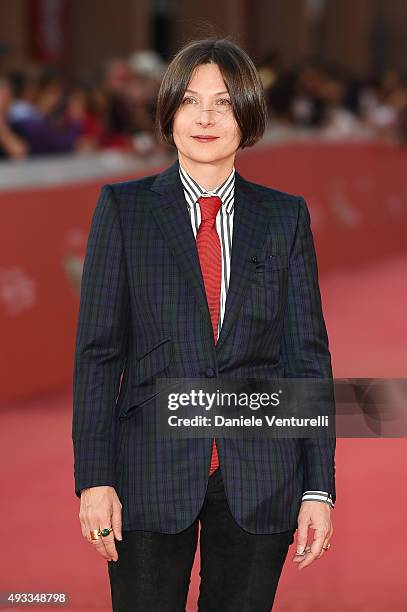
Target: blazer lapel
171 213
250 229
251 222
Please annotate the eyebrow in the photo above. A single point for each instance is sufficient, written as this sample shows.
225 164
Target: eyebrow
216 94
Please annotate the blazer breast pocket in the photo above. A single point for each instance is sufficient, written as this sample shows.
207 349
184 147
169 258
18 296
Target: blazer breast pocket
270 269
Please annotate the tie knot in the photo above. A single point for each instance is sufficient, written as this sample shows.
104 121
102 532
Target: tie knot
209 207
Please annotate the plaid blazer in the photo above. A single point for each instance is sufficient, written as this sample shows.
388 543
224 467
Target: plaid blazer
143 313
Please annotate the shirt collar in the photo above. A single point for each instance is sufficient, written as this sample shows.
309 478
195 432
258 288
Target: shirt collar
194 190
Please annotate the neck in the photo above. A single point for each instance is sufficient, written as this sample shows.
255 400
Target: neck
208 174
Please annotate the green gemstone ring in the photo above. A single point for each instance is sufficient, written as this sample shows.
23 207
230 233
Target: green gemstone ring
105 532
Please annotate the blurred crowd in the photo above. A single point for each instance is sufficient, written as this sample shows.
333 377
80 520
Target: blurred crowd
42 112
334 103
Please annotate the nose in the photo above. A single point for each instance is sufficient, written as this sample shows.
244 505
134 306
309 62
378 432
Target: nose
205 117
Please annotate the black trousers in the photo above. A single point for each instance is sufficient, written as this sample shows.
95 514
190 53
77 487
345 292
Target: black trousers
239 570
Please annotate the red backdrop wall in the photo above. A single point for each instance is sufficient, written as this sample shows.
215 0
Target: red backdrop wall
356 193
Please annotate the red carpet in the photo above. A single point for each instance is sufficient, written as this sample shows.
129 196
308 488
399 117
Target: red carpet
42 545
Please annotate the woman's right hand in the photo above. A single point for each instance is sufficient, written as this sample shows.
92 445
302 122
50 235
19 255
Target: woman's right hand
100 509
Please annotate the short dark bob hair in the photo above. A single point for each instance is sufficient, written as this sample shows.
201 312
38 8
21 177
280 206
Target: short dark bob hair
241 79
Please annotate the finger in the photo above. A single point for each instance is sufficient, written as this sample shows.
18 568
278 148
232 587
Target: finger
323 551
299 558
326 542
117 522
307 560
110 547
302 537
83 526
315 550
97 544
87 533
319 538
84 523
328 536
100 548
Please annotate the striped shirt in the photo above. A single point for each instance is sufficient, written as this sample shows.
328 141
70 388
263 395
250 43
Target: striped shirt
224 223
224 227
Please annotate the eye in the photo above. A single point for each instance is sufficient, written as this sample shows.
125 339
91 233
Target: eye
187 99
225 101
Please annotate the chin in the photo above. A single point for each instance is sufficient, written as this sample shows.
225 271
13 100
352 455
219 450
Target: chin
199 154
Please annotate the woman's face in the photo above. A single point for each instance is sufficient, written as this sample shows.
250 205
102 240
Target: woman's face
206 109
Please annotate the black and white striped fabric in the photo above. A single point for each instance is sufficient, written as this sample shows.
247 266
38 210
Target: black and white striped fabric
224 222
224 226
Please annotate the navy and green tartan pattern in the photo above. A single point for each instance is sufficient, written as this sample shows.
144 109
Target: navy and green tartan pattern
143 313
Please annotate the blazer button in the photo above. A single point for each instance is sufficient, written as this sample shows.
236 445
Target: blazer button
209 372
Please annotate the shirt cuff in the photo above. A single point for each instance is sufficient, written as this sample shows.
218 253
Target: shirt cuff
321 496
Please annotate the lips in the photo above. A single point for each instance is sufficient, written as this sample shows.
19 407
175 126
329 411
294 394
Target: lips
205 138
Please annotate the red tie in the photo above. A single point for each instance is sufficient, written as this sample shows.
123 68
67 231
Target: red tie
210 258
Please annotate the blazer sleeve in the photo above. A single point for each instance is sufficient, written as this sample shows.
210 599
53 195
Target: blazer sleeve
102 331
305 348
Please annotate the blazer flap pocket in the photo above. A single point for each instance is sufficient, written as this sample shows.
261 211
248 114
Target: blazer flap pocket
153 361
137 398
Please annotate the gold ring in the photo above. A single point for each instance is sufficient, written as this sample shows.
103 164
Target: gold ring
105 532
327 547
95 534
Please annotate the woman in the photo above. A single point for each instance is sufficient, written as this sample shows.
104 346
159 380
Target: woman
158 269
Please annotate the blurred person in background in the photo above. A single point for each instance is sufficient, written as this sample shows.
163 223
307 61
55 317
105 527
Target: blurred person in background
269 70
389 100
41 120
130 120
402 119
150 69
12 146
87 105
120 118
338 120
307 102
279 90
25 86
